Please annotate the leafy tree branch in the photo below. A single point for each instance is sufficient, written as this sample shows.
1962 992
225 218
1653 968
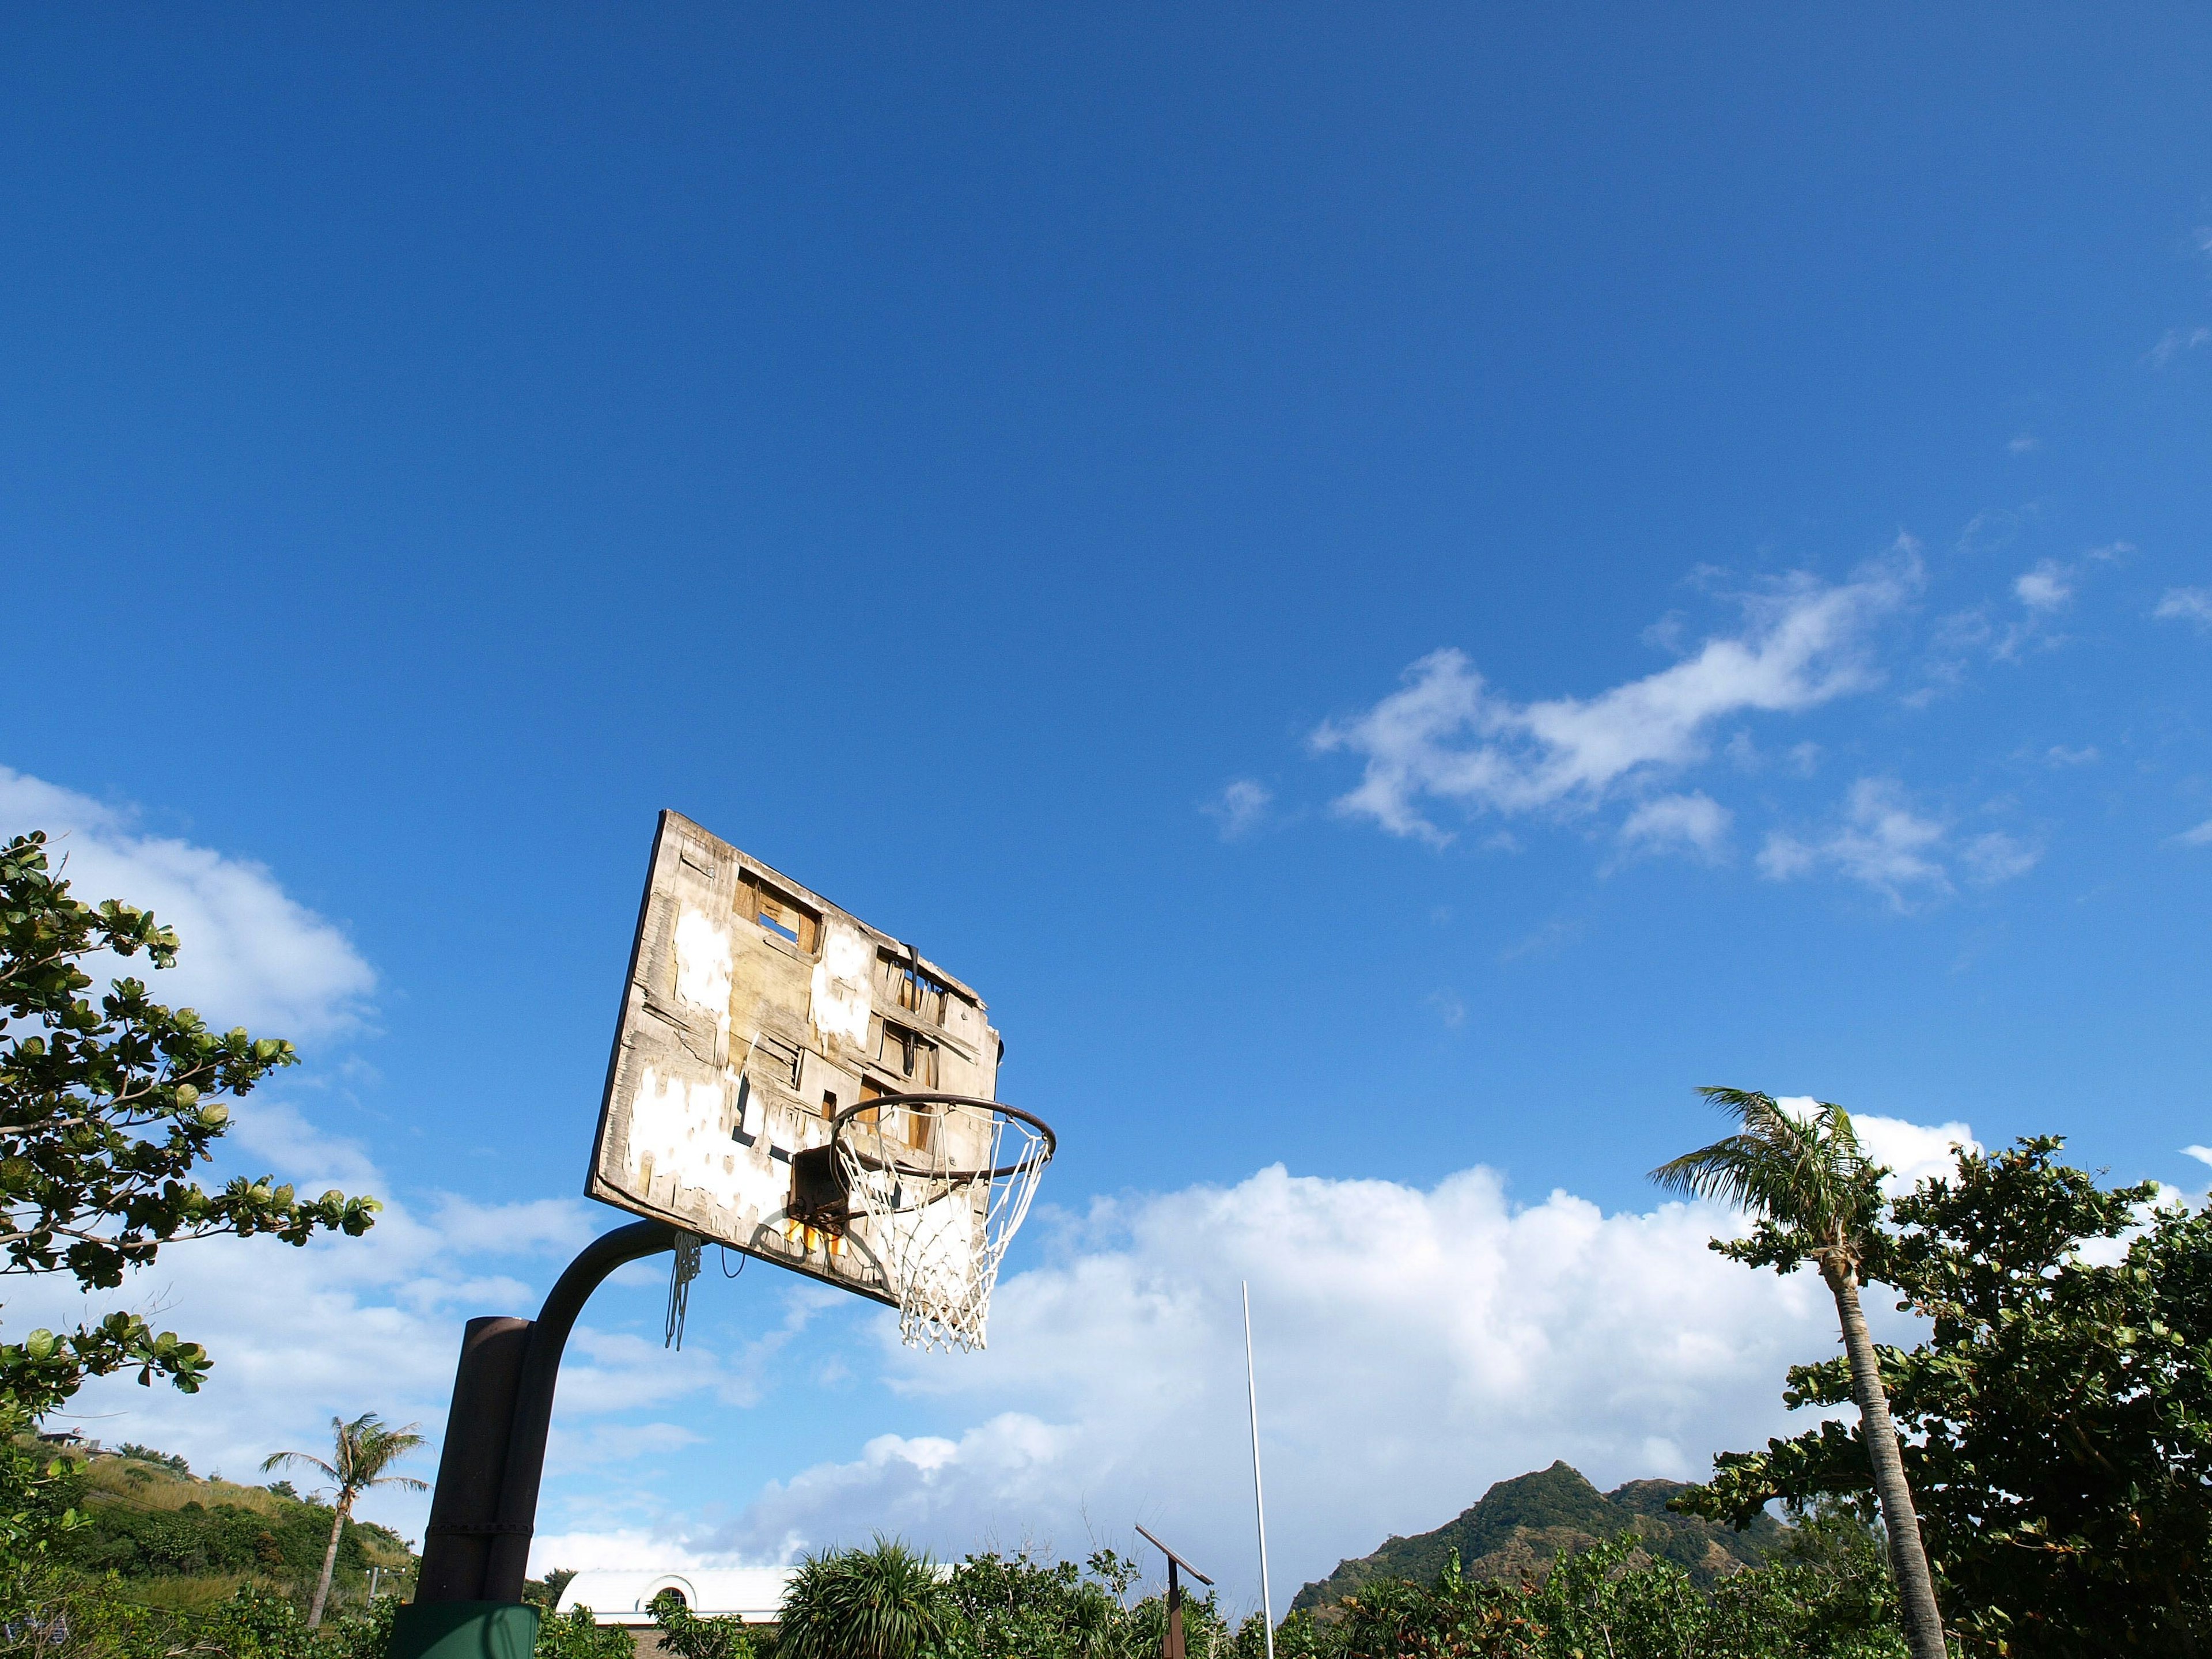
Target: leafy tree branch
106 1108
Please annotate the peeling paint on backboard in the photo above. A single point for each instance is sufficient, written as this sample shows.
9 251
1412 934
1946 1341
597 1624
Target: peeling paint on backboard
755 1010
841 1003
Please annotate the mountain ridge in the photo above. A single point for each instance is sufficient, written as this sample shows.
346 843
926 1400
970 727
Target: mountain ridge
1522 1525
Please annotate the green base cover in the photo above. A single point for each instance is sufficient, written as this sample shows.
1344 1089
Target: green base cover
465 1630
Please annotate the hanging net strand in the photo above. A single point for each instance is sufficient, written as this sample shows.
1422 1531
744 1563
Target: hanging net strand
940 1184
681 1272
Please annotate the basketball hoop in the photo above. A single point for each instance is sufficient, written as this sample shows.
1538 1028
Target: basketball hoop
936 1186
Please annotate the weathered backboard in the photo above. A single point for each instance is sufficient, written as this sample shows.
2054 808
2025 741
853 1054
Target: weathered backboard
756 1011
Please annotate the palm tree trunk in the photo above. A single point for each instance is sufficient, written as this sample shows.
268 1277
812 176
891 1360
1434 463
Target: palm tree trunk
1908 1557
330 1561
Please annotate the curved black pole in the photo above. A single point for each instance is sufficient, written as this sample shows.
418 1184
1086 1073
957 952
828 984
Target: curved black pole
476 1547
508 1563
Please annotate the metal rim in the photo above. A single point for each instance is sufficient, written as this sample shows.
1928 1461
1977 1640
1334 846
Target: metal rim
1051 1140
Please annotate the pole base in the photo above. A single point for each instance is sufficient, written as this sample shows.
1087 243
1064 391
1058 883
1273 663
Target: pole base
465 1630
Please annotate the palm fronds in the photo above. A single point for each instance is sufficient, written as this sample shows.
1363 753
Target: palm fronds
1805 1171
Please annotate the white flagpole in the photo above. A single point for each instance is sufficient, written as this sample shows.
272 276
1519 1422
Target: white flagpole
1259 1500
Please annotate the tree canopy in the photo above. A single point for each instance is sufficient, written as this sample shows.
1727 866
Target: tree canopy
106 1108
2058 1420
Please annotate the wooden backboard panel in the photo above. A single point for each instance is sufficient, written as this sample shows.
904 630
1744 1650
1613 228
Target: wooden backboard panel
756 1009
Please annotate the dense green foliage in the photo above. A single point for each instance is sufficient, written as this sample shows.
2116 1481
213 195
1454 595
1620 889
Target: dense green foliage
685 1634
47 1611
1825 1595
573 1635
1522 1524
105 1110
198 1539
1834 1601
1012 1607
2058 1420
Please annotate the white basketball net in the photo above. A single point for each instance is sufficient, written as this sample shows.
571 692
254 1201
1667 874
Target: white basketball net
943 1187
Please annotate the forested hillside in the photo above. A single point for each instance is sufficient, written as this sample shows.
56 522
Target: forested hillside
1524 1523
186 1541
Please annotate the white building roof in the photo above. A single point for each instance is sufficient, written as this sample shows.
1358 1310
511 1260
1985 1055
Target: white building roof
624 1595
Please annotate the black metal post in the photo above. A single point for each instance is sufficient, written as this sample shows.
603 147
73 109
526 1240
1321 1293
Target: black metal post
476 1549
464 1504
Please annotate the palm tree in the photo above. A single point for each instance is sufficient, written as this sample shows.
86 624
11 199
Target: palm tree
364 1449
1819 1195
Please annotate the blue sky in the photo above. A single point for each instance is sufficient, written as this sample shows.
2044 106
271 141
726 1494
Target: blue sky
1018 474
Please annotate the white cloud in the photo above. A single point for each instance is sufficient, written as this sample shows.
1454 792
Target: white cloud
251 954
2200 836
1446 736
1414 1346
2059 754
1241 807
2024 444
1914 1152
2174 342
1694 822
2191 604
2201 1154
643 1549
2049 587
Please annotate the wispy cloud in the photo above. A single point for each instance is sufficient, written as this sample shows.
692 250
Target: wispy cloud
1993 527
1996 857
2024 444
2200 836
2043 591
1693 822
1449 1006
2176 341
1447 737
1883 844
2049 587
2189 604
1240 808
